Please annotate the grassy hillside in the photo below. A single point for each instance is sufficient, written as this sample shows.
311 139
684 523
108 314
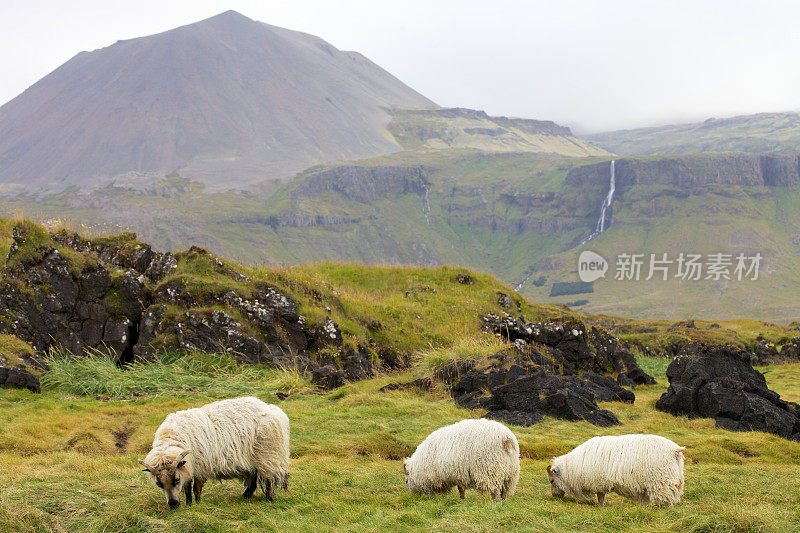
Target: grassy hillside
747 133
68 455
68 458
437 129
730 219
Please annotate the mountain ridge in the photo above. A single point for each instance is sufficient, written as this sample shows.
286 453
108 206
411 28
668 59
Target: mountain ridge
760 132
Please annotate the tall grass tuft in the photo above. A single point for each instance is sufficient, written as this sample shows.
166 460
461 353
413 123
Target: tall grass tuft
95 374
464 349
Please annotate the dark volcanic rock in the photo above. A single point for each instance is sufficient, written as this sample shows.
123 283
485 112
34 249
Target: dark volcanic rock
790 351
565 397
328 377
572 347
719 382
765 353
523 385
465 279
683 324
19 379
504 300
612 355
421 384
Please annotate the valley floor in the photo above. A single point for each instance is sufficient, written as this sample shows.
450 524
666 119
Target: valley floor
68 463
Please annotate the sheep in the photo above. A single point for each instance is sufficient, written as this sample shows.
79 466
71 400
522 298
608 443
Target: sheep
643 468
471 454
242 438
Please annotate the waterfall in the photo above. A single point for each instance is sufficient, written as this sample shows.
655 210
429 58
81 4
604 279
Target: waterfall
601 222
426 208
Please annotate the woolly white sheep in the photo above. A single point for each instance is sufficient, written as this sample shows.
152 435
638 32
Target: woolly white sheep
241 438
471 454
643 468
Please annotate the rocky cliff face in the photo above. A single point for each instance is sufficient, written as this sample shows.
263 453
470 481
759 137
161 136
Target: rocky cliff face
752 170
364 184
118 297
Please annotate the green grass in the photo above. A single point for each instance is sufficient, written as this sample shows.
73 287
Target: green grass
68 461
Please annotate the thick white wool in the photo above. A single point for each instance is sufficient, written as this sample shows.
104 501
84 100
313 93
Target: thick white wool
645 468
471 454
227 439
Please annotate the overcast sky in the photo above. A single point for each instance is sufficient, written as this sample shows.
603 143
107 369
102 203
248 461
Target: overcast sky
590 64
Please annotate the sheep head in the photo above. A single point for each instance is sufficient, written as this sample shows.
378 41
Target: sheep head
556 481
170 475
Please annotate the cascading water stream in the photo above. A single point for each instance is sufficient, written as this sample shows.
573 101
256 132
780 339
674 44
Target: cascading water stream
427 207
600 227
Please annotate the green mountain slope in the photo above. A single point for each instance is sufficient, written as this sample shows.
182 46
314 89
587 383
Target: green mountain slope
746 133
520 216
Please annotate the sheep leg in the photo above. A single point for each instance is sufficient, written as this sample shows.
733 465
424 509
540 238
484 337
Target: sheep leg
269 489
251 484
187 490
601 497
461 492
198 488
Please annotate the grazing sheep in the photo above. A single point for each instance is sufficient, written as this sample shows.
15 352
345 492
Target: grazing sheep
242 438
471 454
643 468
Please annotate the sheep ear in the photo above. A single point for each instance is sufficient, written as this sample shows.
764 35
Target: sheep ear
405 468
146 468
549 469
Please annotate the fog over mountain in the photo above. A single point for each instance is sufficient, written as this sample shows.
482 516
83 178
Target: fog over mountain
227 101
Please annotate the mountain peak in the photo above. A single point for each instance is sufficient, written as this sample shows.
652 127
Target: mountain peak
227 17
227 101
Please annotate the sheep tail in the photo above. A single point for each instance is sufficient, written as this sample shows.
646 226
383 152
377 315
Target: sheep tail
679 451
508 445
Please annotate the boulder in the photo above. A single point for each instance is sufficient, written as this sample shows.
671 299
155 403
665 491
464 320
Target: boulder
419 384
564 397
19 378
719 382
465 279
790 351
571 347
522 386
504 300
613 356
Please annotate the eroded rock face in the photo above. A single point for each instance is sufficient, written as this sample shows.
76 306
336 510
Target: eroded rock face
572 347
101 298
50 303
719 382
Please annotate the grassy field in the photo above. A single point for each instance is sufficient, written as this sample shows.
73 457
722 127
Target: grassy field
68 458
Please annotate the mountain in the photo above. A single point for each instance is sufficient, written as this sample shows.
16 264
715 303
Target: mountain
747 133
225 101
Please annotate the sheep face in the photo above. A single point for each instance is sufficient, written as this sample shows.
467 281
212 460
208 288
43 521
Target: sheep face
557 486
410 485
170 477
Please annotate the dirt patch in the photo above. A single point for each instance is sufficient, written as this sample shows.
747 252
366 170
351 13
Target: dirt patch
121 436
